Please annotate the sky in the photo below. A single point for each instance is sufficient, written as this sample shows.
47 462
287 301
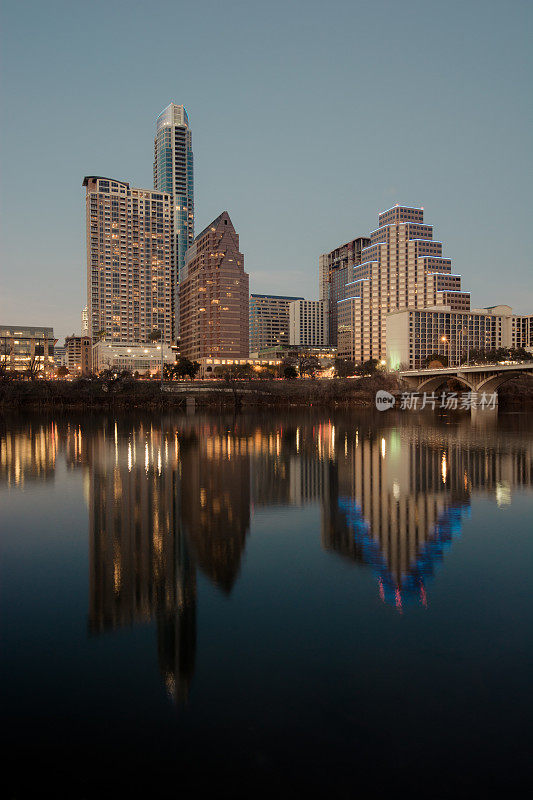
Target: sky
308 118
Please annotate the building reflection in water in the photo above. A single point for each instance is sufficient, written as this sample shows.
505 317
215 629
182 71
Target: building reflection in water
167 501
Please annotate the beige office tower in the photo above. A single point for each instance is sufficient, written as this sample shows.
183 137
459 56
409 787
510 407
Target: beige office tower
308 323
403 267
214 316
129 266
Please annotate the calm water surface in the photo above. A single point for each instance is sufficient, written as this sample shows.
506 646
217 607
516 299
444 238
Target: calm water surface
266 605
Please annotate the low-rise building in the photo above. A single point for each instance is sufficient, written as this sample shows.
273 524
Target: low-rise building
209 366
414 334
78 355
27 349
130 356
280 352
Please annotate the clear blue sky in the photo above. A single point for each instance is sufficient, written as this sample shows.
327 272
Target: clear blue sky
308 118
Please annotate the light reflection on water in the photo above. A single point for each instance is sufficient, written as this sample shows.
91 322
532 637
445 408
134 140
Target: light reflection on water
172 499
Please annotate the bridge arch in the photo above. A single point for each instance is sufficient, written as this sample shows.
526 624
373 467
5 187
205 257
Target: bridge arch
493 382
435 382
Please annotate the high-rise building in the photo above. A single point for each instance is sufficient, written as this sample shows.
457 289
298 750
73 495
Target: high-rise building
335 270
174 173
129 261
84 321
269 321
308 323
403 267
214 316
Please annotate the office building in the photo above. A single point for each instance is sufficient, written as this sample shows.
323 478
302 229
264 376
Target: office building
174 173
214 316
60 356
308 323
85 321
28 349
403 267
335 270
415 334
269 321
129 261
119 356
78 355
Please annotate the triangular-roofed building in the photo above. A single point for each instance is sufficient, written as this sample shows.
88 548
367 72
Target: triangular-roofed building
214 319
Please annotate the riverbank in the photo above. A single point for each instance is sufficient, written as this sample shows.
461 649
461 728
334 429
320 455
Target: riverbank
129 394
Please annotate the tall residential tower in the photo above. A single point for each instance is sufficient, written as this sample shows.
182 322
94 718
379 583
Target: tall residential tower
128 261
173 173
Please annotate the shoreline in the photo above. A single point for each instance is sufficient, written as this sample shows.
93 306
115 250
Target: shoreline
128 395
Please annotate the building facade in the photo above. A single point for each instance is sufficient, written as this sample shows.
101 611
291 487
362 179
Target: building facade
214 315
85 321
174 173
335 270
60 356
131 357
129 261
308 323
27 349
415 334
403 267
78 355
269 320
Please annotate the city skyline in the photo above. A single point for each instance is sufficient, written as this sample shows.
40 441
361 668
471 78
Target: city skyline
456 153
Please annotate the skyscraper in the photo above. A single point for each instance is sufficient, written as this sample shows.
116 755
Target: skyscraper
128 261
335 270
214 317
403 267
173 172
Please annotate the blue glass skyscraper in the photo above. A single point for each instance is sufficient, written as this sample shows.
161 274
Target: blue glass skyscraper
173 172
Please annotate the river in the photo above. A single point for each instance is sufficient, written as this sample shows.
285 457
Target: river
260 605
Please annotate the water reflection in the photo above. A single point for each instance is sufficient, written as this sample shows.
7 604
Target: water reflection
167 501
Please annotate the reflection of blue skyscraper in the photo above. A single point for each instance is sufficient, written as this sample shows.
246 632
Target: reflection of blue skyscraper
173 172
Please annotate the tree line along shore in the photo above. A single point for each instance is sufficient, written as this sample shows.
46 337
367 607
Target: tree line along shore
125 392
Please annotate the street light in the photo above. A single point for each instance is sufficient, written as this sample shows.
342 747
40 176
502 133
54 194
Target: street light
445 341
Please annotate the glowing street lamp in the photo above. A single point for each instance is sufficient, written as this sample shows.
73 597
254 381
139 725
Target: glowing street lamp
445 341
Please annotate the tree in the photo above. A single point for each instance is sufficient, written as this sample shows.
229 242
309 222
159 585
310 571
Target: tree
344 367
155 335
186 368
33 369
231 372
309 366
435 360
289 372
369 367
62 372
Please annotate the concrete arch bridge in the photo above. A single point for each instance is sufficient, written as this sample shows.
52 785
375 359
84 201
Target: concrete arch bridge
478 378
